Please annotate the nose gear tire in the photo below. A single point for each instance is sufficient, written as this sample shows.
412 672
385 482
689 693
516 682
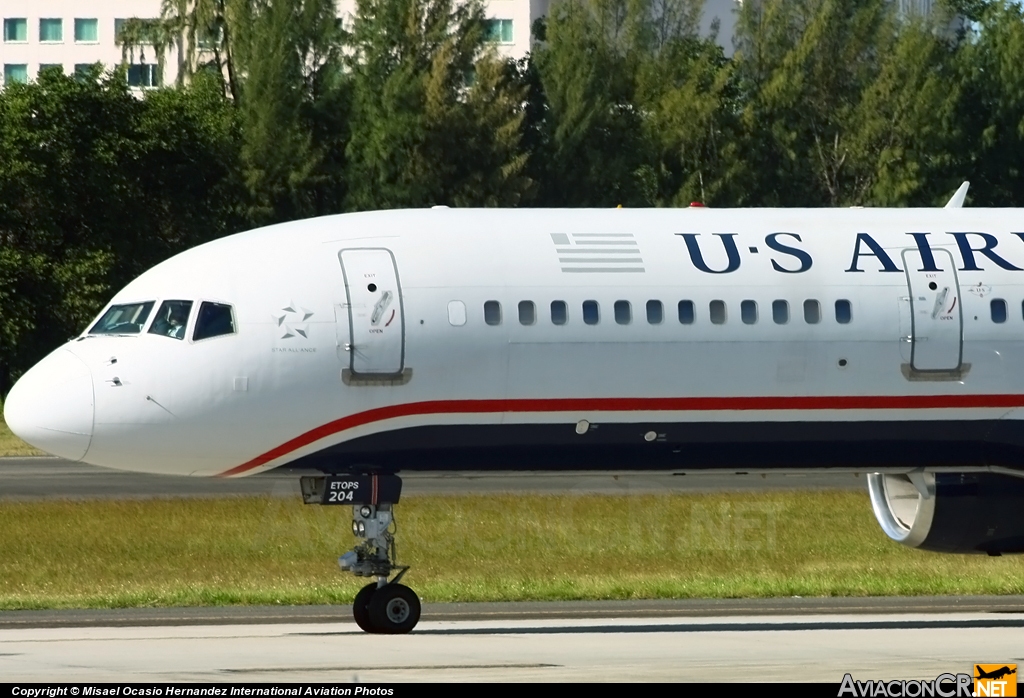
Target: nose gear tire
394 609
361 607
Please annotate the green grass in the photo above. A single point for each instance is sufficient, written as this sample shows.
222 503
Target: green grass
11 445
261 550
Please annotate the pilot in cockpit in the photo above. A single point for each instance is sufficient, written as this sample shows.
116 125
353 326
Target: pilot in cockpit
176 323
172 319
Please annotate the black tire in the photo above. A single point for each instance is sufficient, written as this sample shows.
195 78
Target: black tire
361 607
394 609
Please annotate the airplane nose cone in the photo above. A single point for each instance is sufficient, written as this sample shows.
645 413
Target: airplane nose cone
52 406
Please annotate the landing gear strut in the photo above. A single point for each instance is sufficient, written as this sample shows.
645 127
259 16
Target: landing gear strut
385 606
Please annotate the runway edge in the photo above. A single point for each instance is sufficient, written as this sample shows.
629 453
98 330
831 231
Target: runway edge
522 610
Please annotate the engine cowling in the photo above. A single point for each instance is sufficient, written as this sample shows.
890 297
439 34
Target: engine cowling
951 512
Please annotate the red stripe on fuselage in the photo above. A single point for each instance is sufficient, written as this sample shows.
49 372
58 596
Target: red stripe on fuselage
629 404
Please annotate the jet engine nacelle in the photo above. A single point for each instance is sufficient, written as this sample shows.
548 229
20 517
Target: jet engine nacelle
951 512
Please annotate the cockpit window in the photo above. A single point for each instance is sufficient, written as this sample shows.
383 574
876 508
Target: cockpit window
214 320
171 319
123 319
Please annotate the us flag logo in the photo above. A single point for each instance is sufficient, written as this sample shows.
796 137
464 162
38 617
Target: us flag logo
582 253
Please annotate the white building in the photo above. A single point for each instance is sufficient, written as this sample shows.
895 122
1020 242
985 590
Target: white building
73 35
41 33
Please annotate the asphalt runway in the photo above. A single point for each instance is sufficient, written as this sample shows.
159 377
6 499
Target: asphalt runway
696 640
628 649
53 478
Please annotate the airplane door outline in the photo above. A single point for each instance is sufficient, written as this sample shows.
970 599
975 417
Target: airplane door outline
376 318
936 312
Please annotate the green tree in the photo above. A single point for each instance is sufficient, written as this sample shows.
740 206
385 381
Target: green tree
844 103
207 30
903 130
277 153
590 149
95 187
419 135
686 90
636 105
990 112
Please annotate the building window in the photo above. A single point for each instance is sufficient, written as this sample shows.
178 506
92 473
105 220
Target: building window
812 312
15 72
998 307
686 312
499 30
143 75
16 29
86 31
527 313
559 312
492 313
844 312
748 312
207 39
86 70
50 66
623 313
655 313
142 28
780 312
718 314
51 30
591 313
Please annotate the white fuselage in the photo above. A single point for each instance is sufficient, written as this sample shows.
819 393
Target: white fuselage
596 335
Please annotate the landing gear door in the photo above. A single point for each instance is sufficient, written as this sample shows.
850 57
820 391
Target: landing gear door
375 312
936 332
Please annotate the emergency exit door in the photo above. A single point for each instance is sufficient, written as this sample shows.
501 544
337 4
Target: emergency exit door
376 322
936 316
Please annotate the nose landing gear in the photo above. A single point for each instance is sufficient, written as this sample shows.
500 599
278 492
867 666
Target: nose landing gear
384 607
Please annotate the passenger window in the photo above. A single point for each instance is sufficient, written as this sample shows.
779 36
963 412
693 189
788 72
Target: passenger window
717 312
213 320
559 312
457 313
748 312
492 313
998 307
780 312
812 312
123 319
655 313
527 313
686 312
623 312
171 319
844 312
591 313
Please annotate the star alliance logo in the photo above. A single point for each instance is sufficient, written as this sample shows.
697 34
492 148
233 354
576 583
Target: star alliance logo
292 321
